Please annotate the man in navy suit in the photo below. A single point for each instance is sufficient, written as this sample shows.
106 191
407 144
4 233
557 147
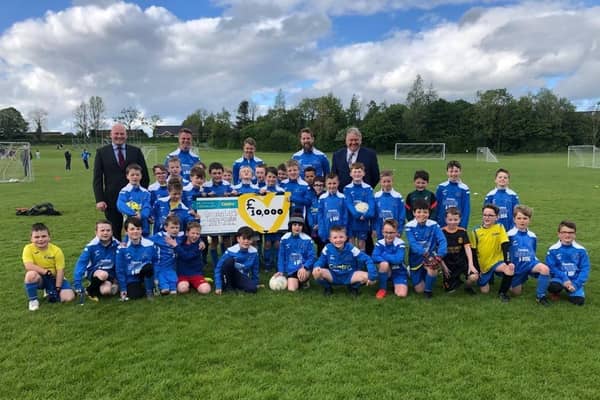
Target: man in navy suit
109 174
353 152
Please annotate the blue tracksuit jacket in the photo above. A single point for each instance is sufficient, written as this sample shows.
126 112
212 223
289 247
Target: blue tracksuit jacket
95 256
393 253
355 193
332 212
569 263
162 209
345 261
453 194
295 251
315 158
388 205
134 199
131 259
426 238
300 194
189 260
240 162
187 158
505 200
246 261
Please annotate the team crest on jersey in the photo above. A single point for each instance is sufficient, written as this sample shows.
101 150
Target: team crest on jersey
460 240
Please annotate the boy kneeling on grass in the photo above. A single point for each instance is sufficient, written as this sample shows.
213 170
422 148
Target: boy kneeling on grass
296 254
339 264
45 269
238 267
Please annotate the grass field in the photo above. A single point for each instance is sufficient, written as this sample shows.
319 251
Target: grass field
290 346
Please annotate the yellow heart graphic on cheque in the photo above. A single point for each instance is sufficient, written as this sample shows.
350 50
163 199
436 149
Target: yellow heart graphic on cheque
264 214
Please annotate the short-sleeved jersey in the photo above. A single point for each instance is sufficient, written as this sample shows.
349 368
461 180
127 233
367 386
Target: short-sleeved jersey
51 258
457 240
488 242
425 195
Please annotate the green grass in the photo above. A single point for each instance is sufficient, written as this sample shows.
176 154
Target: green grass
290 346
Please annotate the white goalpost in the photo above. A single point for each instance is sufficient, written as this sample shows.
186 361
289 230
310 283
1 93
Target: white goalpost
15 162
485 154
420 151
586 156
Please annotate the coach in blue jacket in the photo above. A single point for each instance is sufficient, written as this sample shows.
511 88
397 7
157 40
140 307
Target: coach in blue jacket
353 152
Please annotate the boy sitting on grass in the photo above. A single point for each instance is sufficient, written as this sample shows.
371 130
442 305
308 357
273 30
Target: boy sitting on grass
97 264
190 264
45 269
389 255
339 264
296 254
238 267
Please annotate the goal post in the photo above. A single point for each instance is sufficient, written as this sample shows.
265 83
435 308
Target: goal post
485 154
420 151
15 162
586 156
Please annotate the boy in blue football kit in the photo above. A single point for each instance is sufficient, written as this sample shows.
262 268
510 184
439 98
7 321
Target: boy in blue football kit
189 262
388 205
172 205
523 246
569 265
245 185
164 266
427 245
134 262
134 200
453 193
389 255
194 189
339 264
238 267
97 263
296 254
300 192
45 269
361 206
158 189
504 198
332 208
271 240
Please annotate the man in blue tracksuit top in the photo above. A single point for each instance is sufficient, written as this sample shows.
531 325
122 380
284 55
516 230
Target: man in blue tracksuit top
453 193
569 265
134 262
238 267
187 157
97 262
340 264
247 159
309 156
296 254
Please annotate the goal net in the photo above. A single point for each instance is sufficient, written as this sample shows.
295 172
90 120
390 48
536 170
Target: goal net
485 154
420 151
587 156
15 162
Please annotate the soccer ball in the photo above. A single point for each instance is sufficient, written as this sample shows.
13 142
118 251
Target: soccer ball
362 207
278 282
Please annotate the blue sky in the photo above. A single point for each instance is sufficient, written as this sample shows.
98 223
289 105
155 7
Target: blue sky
173 57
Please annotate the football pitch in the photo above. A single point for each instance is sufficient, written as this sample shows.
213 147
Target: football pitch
302 345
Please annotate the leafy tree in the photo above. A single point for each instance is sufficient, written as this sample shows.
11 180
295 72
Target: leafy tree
243 115
12 123
353 112
196 122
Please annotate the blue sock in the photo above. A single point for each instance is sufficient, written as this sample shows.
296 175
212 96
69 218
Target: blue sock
429 282
268 257
542 285
324 282
214 256
149 284
31 290
383 278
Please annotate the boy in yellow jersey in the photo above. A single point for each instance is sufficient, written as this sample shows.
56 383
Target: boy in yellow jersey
45 269
491 252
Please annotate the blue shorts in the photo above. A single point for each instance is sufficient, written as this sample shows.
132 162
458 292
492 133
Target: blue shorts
360 235
525 267
111 274
578 293
399 275
418 275
44 284
522 277
341 278
167 278
484 278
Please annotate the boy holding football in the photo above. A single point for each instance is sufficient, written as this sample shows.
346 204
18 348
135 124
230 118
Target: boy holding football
296 254
360 204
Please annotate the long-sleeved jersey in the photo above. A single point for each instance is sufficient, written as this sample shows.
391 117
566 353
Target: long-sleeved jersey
300 194
162 209
246 262
426 238
388 205
427 196
295 251
241 162
189 260
191 193
156 192
217 189
134 199
332 212
523 246
243 188
505 200
131 259
315 158
346 260
187 158
95 256
392 252
453 194
569 263
165 254
359 193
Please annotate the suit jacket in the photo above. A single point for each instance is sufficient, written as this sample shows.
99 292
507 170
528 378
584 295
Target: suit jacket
339 166
110 178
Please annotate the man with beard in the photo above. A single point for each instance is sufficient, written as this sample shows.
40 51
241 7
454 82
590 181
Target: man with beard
309 156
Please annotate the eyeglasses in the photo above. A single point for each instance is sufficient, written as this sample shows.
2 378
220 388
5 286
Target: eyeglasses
567 232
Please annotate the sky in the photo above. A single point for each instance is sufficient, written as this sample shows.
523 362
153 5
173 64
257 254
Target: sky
173 57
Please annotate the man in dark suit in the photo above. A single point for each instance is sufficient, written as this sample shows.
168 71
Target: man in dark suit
353 152
109 174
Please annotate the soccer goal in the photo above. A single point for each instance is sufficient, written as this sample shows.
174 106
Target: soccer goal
15 162
485 154
150 154
420 151
587 156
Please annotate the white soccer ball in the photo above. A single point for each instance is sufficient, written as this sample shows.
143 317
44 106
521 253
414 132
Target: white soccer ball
278 282
362 207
